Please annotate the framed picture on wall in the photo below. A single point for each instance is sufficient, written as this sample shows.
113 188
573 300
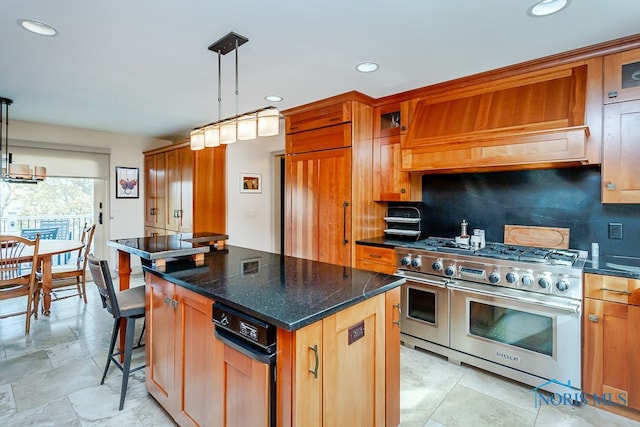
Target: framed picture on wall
250 183
127 183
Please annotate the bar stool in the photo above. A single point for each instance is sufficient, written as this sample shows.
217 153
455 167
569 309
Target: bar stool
128 305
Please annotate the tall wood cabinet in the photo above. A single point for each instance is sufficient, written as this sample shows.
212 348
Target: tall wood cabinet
344 369
329 187
185 190
611 343
621 150
179 348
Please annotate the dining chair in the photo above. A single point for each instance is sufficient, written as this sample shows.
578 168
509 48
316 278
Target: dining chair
14 250
45 233
72 277
63 233
128 305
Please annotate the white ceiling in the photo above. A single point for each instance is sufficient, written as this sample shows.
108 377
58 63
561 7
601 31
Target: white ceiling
142 67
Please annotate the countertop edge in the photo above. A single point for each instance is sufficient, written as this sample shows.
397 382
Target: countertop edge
280 324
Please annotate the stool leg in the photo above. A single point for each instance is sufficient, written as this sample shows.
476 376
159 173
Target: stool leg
112 344
128 349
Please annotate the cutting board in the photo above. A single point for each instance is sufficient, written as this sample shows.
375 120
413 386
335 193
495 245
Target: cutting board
540 237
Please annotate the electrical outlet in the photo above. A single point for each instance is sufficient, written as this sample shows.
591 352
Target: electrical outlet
615 230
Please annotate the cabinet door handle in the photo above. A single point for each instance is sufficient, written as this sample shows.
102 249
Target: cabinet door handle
152 211
594 318
314 371
616 291
375 256
345 205
167 300
174 303
612 94
397 322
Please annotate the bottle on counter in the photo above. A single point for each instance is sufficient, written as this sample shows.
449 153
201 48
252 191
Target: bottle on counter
464 225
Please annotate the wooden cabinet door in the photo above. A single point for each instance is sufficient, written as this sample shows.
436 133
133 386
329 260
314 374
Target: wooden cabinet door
194 370
390 183
611 348
186 190
353 386
179 189
155 202
174 189
307 395
622 76
159 340
621 150
382 260
318 206
209 190
242 388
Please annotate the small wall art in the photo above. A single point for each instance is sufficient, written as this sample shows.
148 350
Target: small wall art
127 183
250 183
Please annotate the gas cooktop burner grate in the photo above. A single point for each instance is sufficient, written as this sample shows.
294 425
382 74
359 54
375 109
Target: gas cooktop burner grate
499 251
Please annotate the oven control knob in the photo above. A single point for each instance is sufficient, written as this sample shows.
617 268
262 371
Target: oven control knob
494 277
527 280
543 282
562 285
450 271
436 266
405 260
416 262
512 277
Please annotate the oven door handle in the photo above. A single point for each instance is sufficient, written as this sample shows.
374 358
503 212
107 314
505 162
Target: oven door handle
421 279
569 308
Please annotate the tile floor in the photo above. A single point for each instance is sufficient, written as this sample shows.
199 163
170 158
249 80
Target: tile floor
51 378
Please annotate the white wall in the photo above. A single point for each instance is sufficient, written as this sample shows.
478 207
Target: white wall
251 216
125 217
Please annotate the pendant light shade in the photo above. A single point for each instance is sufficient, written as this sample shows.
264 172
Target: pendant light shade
197 139
241 127
247 127
269 122
212 136
228 132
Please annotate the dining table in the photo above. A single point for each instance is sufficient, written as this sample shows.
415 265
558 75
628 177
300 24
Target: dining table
46 250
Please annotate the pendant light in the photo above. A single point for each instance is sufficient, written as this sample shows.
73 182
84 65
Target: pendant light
241 127
14 172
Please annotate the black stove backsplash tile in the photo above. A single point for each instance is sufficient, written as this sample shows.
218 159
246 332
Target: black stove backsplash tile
567 198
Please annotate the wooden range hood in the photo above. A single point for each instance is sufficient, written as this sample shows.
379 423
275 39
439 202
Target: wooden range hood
533 120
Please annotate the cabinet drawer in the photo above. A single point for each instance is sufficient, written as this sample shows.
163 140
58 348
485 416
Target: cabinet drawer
374 258
319 117
612 288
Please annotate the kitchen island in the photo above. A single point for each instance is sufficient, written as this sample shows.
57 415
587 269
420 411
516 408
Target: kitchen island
337 347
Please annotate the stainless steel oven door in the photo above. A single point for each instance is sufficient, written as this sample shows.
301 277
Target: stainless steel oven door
540 336
425 310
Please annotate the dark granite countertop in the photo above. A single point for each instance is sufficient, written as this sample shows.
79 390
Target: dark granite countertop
614 265
285 291
161 247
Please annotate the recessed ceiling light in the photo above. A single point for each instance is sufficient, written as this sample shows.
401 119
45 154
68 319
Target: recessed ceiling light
367 67
37 27
273 98
547 7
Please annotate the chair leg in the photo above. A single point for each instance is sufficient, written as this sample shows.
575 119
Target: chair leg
114 336
83 283
128 350
27 325
144 326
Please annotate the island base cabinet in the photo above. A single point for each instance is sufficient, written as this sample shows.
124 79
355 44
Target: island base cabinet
179 348
332 372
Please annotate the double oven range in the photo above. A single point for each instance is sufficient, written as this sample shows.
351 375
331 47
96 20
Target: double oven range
511 310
